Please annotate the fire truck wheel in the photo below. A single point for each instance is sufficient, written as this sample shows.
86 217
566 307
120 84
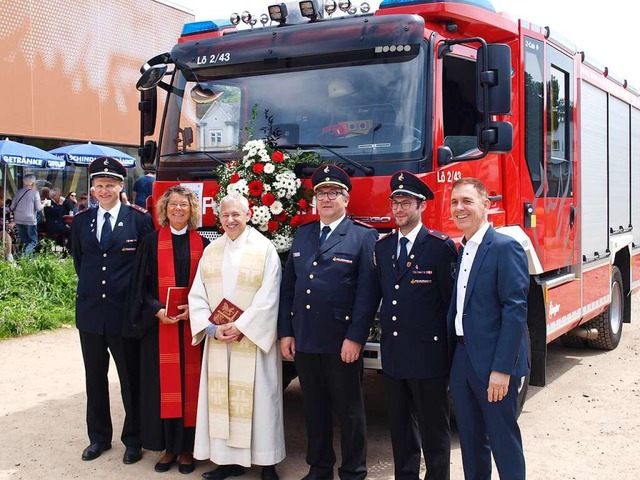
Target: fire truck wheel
609 322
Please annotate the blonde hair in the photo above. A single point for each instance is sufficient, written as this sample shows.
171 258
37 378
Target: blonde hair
194 218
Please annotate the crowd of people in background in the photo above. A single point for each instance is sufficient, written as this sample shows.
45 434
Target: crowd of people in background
51 213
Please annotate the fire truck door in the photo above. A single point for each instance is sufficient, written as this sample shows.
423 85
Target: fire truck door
559 167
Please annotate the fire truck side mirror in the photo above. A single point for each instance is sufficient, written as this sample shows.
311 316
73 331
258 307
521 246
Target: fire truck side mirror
147 154
493 73
445 155
148 107
497 137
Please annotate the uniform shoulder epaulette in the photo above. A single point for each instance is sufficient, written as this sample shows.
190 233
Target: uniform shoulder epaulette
438 235
138 208
386 235
362 224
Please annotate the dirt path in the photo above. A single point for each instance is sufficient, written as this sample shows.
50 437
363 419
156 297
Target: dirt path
585 424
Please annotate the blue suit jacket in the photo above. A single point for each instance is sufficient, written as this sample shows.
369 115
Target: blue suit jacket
328 293
103 275
415 302
495 307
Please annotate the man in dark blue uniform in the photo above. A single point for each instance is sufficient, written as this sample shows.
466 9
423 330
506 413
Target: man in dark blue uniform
415 267
104 243
327 303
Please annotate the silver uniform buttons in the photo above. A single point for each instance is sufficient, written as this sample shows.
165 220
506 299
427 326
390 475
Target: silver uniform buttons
395 334
308 307
104 268
397 287
395 302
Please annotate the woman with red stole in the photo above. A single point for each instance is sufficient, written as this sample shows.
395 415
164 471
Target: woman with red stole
170 365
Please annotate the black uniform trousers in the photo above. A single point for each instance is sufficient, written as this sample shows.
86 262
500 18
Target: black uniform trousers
331 386
126 355
419 417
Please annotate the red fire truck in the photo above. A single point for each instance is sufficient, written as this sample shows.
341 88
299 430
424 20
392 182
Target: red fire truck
444 89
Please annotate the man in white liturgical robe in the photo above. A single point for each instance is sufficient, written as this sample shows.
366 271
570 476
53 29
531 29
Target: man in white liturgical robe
239 418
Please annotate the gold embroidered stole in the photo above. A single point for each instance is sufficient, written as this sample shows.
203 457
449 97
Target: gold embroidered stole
231 377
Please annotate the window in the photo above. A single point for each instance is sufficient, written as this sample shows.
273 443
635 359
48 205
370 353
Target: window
215 138
534 111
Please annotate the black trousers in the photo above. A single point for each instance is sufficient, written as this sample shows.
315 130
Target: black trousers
330 386
419 417
95 353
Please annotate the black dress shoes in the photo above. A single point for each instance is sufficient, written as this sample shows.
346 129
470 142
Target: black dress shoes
224 471
132 455
186 467
164 466
269 473
94 450
311 476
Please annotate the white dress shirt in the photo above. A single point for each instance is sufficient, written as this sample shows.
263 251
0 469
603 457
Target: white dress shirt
332 226
100 220
411 237
466 262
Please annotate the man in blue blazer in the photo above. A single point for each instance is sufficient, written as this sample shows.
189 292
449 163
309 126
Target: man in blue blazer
415 268
487 322
104 244
327 303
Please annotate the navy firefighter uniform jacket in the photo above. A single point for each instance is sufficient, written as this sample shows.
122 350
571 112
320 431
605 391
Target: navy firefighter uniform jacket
415 300
329 293
103 275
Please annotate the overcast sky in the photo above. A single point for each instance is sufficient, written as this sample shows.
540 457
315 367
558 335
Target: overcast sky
605 33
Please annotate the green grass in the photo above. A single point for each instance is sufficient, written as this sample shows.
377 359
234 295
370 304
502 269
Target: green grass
36 294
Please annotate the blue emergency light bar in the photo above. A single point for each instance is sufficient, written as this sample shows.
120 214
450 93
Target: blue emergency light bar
486 4
205 26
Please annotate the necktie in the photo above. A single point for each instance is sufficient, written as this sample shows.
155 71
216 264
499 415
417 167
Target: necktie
105 233
402 256
324 234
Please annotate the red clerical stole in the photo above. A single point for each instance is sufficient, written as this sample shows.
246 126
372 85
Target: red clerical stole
171 402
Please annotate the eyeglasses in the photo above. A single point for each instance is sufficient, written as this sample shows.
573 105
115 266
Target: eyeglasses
403 205
72 194
83 198
183 206
331 195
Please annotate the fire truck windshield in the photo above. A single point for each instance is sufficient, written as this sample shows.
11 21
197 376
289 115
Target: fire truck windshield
372 112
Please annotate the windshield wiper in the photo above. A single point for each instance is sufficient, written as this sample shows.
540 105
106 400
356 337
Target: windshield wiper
218 160
368 171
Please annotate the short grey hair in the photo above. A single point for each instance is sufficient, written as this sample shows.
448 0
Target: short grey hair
235 198
28 180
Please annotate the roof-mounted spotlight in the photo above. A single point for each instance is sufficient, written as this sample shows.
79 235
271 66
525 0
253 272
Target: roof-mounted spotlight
344 5
278 13
308 9
246 17
264 19
365 7
353 10
330 6
234 18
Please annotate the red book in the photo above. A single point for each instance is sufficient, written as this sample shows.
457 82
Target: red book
226 312
176 296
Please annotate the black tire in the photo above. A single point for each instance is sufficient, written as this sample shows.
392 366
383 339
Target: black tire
570 340
609 323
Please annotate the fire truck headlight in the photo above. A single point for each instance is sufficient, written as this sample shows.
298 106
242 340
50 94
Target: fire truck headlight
278 13
234 18
365 7
344 5
264 19
246 17
330 7
308 9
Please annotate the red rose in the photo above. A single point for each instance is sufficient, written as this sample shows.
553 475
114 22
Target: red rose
277 156
302 203
268 199
234 178
258 168
295 221
255 188
272 226
281 217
